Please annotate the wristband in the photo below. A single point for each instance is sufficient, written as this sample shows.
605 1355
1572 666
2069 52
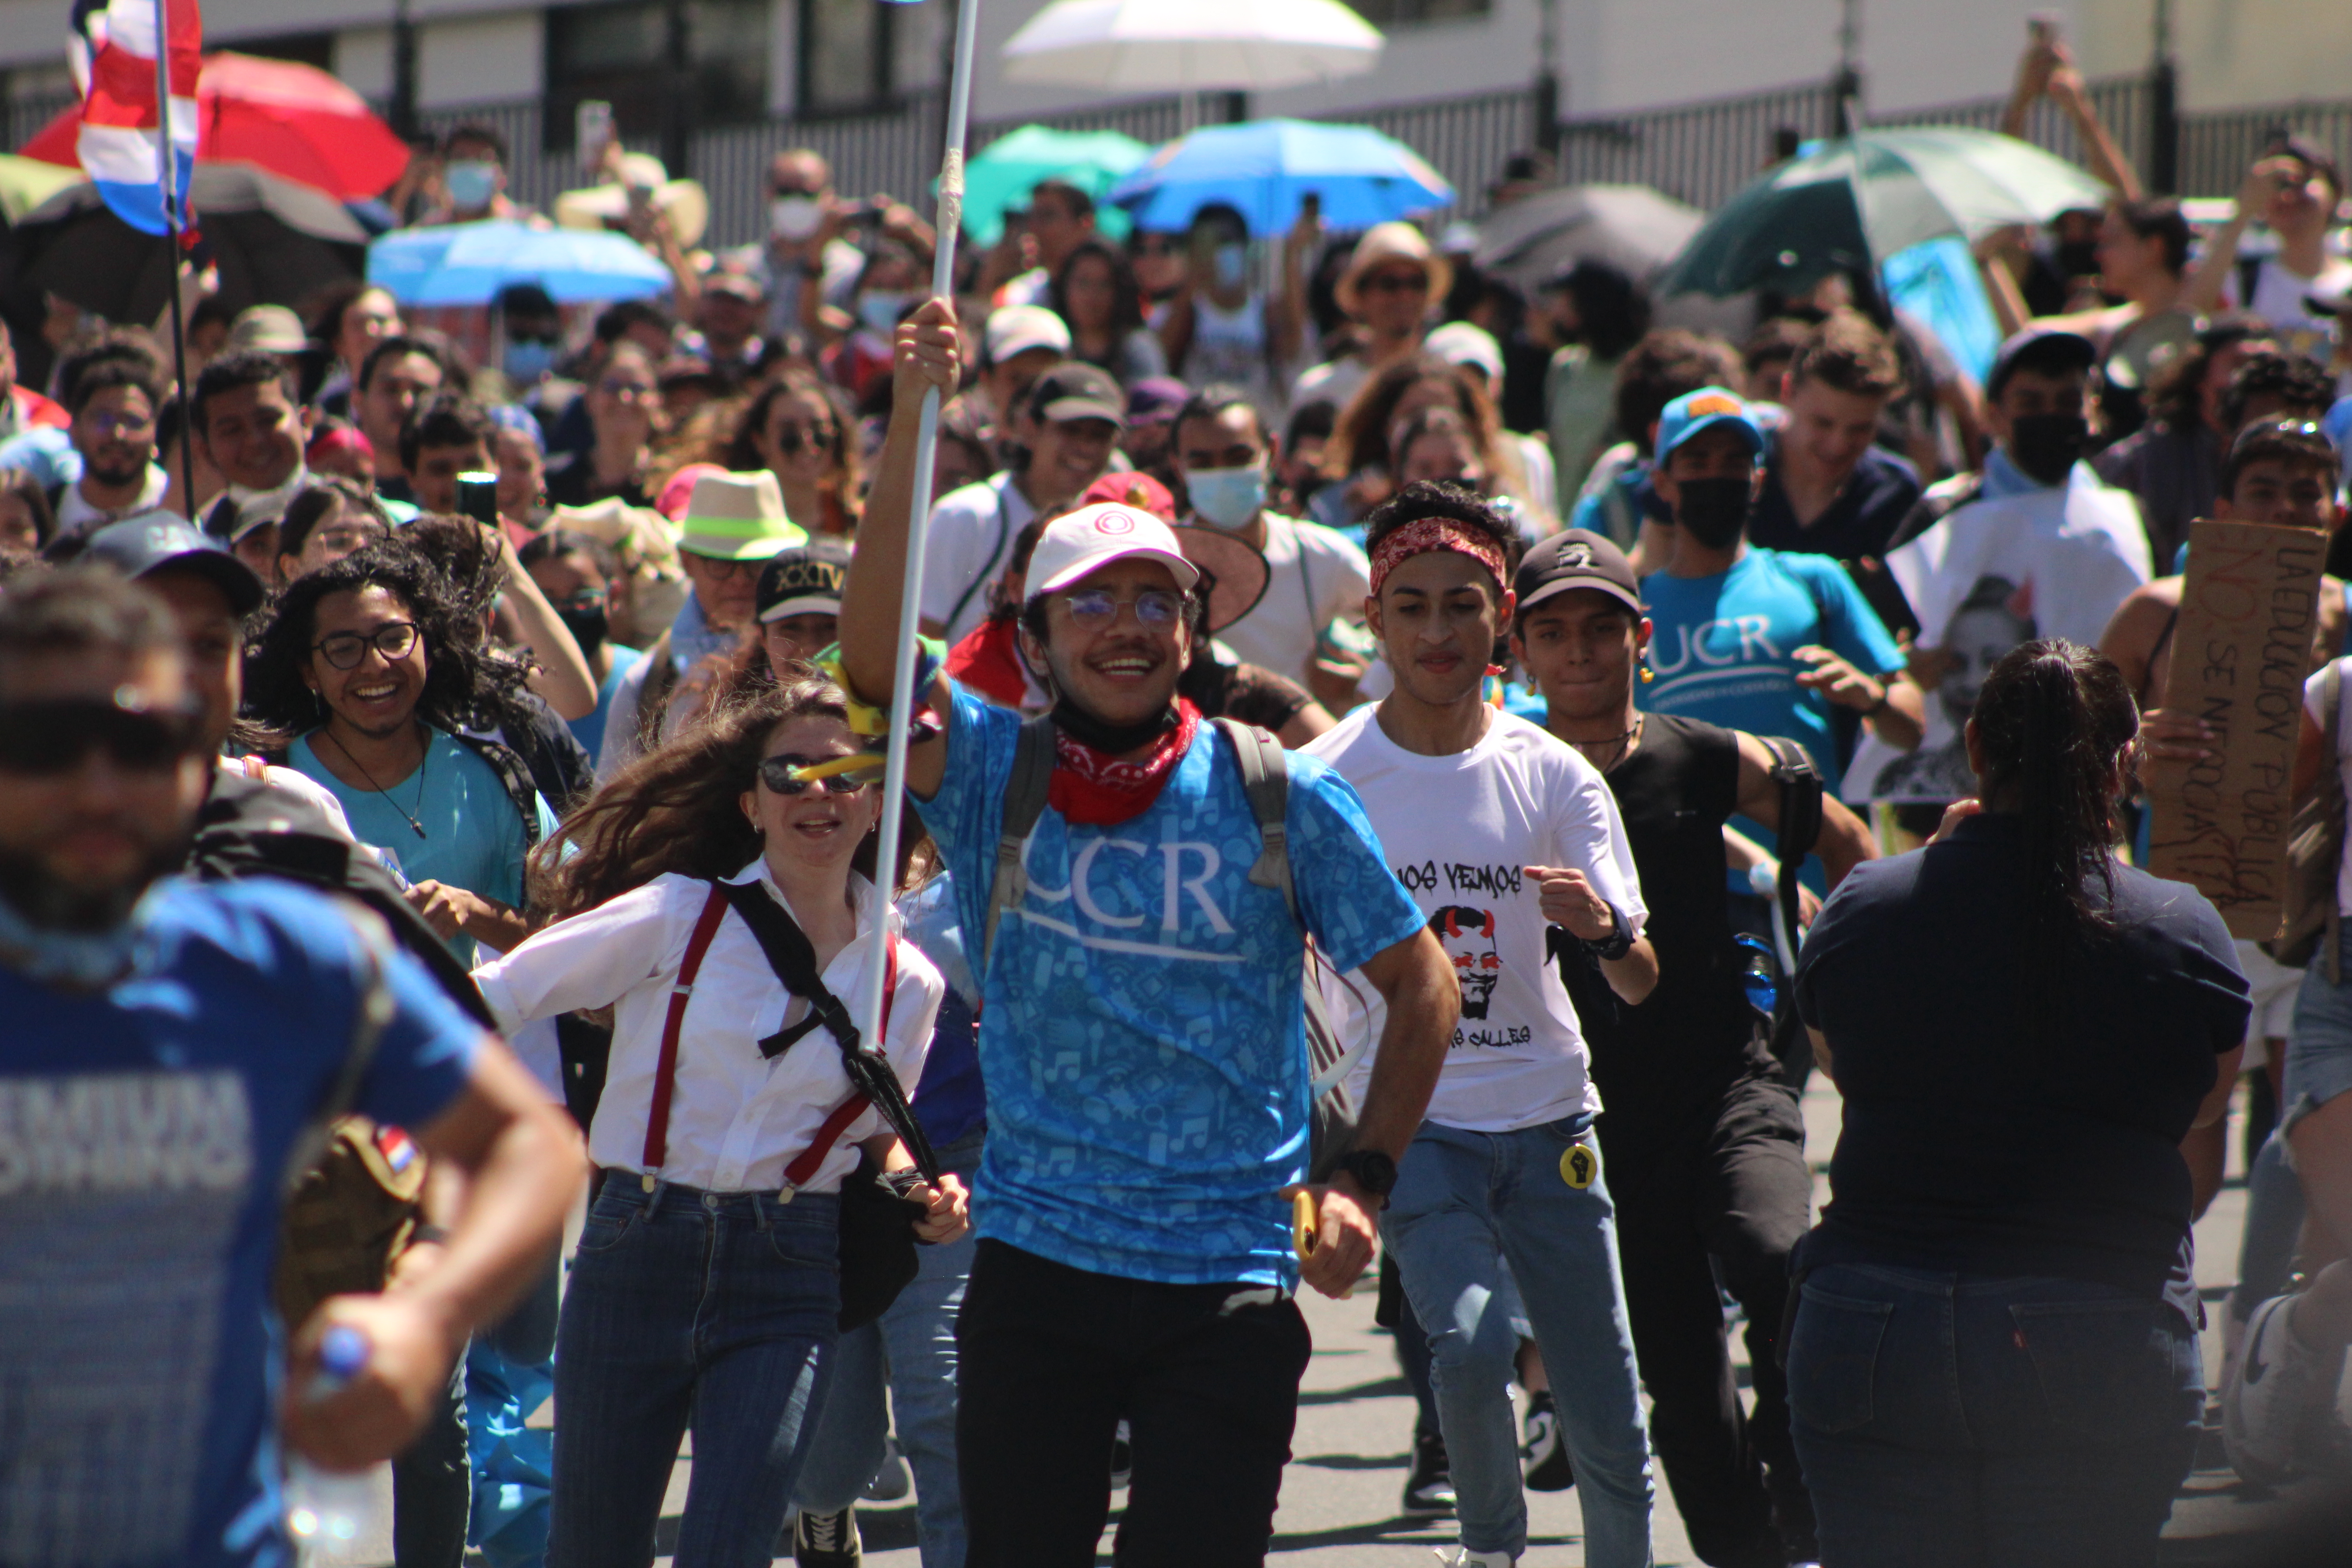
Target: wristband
1616 944
1885 693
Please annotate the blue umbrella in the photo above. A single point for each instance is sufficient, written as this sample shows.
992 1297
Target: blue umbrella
469 263
1264 168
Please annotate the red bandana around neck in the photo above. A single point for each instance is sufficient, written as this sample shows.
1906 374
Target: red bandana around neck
1098 790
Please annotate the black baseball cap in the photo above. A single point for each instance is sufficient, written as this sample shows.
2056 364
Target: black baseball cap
2045 349
804 580
1578 558
138 545
1075 390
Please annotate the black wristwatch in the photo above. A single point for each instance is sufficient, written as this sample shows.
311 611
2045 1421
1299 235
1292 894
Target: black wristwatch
1617 943
1374 1171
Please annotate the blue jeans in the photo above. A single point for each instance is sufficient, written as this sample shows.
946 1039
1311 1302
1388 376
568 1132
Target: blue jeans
2319 1053
710 1310
912 1347
1467 1205
1956 1421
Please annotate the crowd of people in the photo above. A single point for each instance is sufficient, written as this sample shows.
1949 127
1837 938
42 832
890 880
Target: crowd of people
1442 769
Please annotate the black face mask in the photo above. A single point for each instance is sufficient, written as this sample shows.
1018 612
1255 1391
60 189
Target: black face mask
2045 447
1115 739
588 621
1715 511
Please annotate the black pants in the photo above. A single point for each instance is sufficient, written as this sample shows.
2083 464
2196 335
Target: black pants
1724 1188
433 1485
1052 1357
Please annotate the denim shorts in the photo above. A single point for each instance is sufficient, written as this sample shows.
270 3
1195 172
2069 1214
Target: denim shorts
2319 1053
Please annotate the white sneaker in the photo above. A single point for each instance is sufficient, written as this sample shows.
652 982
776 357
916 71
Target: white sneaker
2277 1386
1462 1557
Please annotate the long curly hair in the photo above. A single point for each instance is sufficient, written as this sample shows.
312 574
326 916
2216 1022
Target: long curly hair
1361 439
840 485
677 809
445 577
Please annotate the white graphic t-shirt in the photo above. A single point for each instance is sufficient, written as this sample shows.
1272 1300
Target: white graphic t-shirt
1460 832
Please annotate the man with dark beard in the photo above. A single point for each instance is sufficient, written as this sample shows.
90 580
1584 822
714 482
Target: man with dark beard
172 1047
1142 1045
113 389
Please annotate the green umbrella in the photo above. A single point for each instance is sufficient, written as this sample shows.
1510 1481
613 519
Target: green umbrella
1854 201
1001 177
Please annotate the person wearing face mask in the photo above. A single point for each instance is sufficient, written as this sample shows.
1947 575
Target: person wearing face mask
474 178
530 337
2036 546
1217 328
1314 600
1766 641
583 579
858 355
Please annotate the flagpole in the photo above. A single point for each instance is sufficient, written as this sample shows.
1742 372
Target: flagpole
167 177
949 224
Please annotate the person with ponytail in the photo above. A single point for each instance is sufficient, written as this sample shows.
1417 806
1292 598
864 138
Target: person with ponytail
705 1289
1993 1355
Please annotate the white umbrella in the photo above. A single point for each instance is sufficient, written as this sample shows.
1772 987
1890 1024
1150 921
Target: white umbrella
1191 46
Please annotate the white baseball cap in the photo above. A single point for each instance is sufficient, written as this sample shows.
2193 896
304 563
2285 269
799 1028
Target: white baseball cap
1462 342
1077 546
1016 329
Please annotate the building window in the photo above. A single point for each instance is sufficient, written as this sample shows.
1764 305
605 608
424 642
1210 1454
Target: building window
618 52
1402 13
844 50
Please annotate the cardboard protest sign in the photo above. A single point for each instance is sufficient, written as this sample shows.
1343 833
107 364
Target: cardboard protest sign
2249 610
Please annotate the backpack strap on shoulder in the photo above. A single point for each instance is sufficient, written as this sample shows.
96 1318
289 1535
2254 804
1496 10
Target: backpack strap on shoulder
1025 803
1801 829
1265 779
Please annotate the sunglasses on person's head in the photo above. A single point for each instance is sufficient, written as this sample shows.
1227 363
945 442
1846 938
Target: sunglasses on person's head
1154 607
790 439
44 738
395 640
780 774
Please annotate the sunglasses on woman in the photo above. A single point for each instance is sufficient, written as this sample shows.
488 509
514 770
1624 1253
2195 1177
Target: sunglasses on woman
778 773
790 439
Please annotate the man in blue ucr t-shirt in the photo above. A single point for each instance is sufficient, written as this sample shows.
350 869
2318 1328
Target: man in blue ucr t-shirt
1142 1042
1755 639
169 1045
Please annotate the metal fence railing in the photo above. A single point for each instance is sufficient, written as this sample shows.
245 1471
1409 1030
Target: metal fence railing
1700 152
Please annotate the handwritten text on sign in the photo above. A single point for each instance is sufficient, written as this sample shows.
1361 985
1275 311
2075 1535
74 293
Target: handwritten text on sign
2248 610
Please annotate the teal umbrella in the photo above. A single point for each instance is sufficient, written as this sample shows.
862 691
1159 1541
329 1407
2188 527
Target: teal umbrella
1001 177
1852 202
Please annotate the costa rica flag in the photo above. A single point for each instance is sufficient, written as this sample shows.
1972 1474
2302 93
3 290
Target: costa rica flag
121 129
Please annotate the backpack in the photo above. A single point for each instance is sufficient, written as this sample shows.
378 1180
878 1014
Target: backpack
2314 849
1801 794
1266 780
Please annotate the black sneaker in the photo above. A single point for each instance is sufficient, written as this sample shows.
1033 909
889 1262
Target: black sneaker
1429 1486
827 1540
1545 1453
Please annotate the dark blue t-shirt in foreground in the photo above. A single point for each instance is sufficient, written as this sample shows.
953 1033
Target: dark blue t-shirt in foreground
144 1134
1975 1142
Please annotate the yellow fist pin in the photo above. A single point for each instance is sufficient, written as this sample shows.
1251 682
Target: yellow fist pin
1578 1166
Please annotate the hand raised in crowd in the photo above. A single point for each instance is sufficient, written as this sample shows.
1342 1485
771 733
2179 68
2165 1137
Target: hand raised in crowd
380 1411
2172 735
1838 680
928 354
1566 899
1343 1236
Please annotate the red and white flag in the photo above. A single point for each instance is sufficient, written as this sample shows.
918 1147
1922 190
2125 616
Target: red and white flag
122 127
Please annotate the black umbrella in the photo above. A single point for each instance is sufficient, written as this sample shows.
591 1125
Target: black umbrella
274 241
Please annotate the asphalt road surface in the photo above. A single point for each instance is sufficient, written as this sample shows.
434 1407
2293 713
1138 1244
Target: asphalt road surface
1355 1421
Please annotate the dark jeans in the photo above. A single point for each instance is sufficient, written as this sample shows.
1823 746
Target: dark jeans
1955 1421
1052 1357
1729 1185
713 1309
432 1486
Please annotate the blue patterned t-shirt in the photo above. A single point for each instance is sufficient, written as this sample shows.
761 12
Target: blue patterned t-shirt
1142 1037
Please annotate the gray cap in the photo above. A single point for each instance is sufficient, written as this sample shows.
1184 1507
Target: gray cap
153 540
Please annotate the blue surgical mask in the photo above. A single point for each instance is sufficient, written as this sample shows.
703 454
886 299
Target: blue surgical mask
880 309
471 184
1227 497
1232 264
525 361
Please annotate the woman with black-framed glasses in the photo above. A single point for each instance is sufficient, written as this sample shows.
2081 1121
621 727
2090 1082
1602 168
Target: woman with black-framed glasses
706 1289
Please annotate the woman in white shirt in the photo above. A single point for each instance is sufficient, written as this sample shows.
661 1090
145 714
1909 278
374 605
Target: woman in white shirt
705 1287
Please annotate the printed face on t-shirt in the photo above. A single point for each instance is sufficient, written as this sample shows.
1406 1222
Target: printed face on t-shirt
1468 934
1993 621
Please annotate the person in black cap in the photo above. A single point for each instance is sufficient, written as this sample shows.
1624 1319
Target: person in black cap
799 602
1703 1140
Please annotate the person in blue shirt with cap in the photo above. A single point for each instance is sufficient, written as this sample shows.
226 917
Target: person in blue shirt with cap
1763 640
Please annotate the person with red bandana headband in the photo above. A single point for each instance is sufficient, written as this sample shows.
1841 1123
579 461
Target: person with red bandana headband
1143 1043
1501 1189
